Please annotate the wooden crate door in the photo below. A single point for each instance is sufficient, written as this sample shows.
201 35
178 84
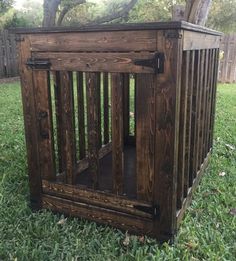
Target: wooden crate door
41 82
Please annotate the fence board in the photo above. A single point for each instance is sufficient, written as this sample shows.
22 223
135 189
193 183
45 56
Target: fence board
8 55
227 70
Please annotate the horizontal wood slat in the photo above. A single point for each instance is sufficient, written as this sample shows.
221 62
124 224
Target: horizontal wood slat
197 41
76 193
97 62
95 41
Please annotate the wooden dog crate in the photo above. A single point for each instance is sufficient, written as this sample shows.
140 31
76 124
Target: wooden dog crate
119 120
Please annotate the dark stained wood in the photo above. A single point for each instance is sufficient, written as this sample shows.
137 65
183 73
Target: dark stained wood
98 198
95 41
81 115
41 84
126 108
213 104
68 125
182 130
99 127
145 145
191 190
140 179
93 122
117 132
121 27
200 112
194 124
188 124
204 108
84 163
31 126
197 41
187 174
167 135
118 219
59 125
97 61
105 108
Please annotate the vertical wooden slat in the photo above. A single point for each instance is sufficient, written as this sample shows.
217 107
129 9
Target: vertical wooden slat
41 82
200 113
196 104
98 89
145 112
126 104
81 119
93 122
30 122
105 109
204 105
68 125
209 90
167 110
213 104
194 83
188 124
117 132
182 130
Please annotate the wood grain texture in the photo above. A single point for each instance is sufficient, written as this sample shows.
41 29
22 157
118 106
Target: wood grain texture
126 106
121 220
145 135
68 125
97 62
81 114
95 41
106 119
187 173
167 135
97 198
92 125
182 130
197 41
117 132
195 110
31 126
41 85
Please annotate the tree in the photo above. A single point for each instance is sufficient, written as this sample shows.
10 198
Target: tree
56 10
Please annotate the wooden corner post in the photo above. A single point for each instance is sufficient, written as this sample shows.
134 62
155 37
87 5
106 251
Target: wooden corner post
167 107
30 122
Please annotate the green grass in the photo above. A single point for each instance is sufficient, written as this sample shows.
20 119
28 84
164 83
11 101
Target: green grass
208 231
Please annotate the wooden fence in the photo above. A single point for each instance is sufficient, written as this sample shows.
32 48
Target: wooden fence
8 55
227 69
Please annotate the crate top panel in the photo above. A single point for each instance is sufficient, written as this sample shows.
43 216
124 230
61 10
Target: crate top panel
120 27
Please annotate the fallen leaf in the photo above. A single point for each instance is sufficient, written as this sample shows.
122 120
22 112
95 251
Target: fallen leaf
131 114
142 239
230 146
232 211
62 221
191 245
222 174
126 240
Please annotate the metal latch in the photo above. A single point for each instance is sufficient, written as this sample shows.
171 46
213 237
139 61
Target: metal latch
34 63
153 210
156 63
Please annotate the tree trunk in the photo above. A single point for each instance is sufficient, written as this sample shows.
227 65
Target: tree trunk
50 8
196 11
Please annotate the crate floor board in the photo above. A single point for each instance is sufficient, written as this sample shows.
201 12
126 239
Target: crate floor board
105 178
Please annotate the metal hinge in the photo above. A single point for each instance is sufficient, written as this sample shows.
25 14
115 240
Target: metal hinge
156 63
34 63
153 210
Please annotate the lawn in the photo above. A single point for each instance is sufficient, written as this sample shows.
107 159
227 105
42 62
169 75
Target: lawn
208 231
